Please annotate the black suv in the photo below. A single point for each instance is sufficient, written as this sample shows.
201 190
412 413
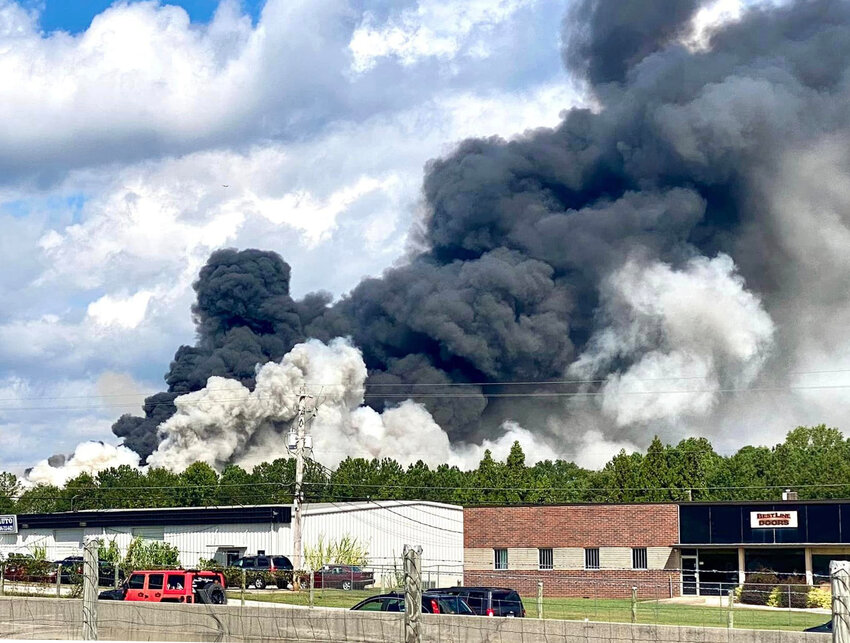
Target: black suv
433 602
72 569
263 564
489 601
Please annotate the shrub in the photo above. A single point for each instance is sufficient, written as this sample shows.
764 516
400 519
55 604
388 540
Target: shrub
819 597
345 551
793 589
151 554
757 588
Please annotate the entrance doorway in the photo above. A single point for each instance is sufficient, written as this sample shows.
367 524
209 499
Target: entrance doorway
690 573
718 571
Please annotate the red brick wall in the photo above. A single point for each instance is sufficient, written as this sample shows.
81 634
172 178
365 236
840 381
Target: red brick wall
572 526
600 583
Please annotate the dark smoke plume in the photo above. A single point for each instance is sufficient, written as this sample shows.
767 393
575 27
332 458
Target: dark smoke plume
537 249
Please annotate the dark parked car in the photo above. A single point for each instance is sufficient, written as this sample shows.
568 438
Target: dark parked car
72 569
432 603
26 568
263 564
826 628
489 601
342 577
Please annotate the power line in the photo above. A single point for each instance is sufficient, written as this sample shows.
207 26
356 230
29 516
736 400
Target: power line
416 396
562 382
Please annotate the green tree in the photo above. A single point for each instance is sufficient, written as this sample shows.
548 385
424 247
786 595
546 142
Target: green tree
38 499
10 488
234 487
197 485
622 479
814 459
160 488
119 487
79 493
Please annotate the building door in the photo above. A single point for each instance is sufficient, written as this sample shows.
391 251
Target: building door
690 575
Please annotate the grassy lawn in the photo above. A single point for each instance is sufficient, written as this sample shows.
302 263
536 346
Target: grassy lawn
323 598
602 609
620 611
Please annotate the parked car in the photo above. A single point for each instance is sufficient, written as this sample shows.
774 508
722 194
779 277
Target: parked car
171 586
342 577
489 601
826 628
258 563
26 568
432 603
72 569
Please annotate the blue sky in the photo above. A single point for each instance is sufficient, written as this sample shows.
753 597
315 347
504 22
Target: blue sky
76 15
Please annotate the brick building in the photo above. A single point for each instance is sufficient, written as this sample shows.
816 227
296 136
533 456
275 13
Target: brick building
663 549
576 550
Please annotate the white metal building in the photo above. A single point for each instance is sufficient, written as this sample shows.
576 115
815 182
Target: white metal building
226 533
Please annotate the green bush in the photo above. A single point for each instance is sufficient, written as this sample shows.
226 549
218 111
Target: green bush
793 589
758 587
150 554
347 550
819 597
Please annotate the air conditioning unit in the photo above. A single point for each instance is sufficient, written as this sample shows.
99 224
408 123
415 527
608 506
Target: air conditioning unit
789 495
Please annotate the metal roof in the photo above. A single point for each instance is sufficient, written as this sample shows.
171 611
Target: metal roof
251 514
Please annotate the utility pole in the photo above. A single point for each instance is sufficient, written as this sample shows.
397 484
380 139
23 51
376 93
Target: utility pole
300 448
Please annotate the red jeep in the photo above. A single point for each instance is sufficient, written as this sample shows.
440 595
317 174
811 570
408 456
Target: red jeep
171 586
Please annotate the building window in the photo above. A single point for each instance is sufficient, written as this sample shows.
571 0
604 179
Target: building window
500 558
545 558
639 558
591 558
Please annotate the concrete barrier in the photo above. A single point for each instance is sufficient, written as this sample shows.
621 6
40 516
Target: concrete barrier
45 618
40 618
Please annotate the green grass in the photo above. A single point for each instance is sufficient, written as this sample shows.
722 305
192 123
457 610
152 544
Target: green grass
323 598
651 612
601 609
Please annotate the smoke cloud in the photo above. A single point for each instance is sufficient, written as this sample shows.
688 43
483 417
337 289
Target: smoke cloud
688 228
226 422
88 457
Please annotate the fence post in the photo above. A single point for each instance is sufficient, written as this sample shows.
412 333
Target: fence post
839 580
115 568
242 588
412 594
670 580
90 574
540 599
312 585
58 581
634 604
3 579
730 618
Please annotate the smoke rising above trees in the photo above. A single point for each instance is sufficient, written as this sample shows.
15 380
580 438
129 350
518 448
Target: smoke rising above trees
538 255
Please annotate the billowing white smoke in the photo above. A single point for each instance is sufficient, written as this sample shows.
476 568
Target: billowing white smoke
227 423
685 335
89 457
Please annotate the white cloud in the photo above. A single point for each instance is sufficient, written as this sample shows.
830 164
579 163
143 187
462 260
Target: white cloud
117 143
127 312
432 28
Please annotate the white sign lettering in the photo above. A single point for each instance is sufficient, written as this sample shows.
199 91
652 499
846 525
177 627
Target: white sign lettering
773 519
8 524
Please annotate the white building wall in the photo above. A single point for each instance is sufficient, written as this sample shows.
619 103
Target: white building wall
193 541
385 527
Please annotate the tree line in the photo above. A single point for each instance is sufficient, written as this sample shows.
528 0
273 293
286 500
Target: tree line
814 461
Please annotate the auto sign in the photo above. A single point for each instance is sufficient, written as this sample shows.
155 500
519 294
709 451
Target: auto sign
8 524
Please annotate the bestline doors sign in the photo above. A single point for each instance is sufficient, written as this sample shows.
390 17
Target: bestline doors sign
772 519
8 524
